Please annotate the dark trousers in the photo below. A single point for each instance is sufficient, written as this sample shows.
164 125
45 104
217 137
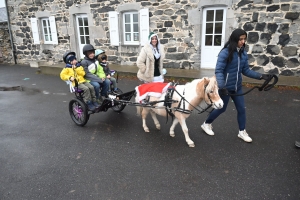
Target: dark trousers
239 103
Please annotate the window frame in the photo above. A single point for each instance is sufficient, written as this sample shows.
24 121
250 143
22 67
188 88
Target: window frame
132 42
86 31
48 27
85 28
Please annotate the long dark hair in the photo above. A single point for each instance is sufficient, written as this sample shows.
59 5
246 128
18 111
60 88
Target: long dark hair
232 43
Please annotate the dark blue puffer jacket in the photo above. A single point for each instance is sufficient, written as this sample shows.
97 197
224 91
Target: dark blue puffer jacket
229 75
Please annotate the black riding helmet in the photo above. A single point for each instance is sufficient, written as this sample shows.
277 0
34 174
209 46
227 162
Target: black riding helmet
68 54
87 47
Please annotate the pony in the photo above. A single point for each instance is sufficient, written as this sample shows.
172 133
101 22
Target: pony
200 92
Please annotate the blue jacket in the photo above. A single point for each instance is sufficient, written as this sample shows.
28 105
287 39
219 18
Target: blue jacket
229 75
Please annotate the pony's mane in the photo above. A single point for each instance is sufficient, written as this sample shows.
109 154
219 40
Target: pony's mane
211 85
193 83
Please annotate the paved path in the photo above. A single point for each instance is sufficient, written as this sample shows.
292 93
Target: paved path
44 155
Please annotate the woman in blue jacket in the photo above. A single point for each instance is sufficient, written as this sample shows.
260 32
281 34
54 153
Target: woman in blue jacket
231 64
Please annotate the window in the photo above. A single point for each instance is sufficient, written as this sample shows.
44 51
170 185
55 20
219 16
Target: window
134 28
45 28
214 27
131 28
83 29
212 36
46 31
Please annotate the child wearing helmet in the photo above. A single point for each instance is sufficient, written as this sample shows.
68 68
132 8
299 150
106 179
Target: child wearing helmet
74 72
102 60
91 69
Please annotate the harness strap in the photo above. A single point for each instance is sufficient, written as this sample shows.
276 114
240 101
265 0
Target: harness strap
168 100
190 111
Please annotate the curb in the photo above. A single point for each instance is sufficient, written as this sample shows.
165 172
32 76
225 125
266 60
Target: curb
293 81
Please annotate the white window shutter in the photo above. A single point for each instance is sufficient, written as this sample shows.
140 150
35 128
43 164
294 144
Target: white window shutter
113 28
144 26
35 31
53 30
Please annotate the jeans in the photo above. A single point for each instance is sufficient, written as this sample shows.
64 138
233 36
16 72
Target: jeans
114 82
104 85
239 103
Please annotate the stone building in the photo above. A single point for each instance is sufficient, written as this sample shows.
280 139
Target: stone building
5 45
193 31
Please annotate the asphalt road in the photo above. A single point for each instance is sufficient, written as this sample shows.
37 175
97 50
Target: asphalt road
44 155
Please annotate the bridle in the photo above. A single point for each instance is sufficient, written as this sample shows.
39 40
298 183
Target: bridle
208 96
183 100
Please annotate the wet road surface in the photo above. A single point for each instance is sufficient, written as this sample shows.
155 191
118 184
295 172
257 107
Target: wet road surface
44 155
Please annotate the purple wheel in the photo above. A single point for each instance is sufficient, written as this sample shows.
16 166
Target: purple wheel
78 112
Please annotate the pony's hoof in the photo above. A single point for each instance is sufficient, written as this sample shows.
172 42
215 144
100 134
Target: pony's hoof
192 145
172 134
146 130
158 127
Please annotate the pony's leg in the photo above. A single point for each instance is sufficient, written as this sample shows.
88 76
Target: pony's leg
156 122
175 122
186 132
144 114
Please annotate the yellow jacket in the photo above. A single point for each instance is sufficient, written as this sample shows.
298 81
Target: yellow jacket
78 73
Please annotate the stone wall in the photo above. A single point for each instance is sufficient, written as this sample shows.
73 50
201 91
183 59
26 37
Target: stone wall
167 17
20 13
272 26
5 45
273 34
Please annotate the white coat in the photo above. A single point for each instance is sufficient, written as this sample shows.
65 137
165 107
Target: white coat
145 62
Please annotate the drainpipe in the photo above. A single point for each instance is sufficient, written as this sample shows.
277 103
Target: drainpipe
10 34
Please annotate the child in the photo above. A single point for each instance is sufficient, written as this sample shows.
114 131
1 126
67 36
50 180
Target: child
90 68
74 72
102 58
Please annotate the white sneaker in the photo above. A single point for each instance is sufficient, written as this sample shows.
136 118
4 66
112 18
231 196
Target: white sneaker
244 136
207 128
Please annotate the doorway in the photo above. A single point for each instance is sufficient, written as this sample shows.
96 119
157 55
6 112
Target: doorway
213 35
83 34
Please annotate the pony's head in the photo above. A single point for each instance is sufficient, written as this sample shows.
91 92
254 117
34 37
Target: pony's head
211 94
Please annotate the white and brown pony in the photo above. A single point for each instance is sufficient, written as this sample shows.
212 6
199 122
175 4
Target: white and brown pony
200 92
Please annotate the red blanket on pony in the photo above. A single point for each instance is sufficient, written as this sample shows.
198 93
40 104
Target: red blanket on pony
154 89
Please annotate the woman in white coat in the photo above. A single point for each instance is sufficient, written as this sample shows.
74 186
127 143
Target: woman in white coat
150 61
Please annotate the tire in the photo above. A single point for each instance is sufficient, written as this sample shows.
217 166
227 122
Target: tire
78 112
119 107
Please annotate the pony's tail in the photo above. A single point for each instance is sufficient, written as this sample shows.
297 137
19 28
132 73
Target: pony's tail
139 109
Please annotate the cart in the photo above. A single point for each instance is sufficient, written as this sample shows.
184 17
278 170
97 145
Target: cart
80 114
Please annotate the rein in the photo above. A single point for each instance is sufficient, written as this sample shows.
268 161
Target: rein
265 86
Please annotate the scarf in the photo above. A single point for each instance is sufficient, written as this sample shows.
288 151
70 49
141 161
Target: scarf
155 50
103 64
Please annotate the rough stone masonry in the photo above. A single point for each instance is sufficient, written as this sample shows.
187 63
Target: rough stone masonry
272 26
